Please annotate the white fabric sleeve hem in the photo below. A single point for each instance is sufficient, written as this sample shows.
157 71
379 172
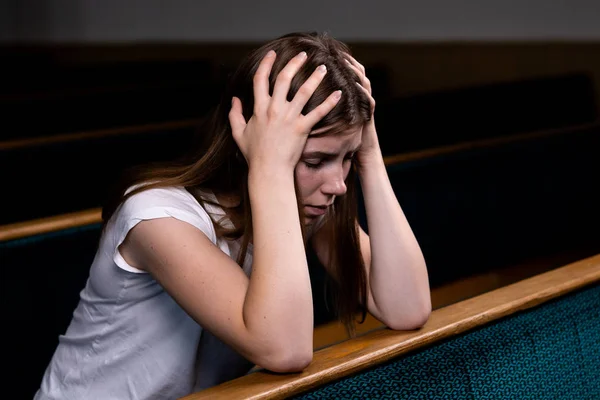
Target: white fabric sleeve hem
155 213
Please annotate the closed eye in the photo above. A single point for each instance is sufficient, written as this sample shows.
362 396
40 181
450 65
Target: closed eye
313 164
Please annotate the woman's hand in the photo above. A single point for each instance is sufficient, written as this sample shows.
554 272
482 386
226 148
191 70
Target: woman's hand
275 135
370 144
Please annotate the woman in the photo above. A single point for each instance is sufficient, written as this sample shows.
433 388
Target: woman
167 310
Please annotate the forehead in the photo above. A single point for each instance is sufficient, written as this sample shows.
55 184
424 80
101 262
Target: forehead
334 143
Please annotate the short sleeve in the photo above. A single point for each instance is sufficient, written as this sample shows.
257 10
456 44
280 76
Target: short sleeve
149 204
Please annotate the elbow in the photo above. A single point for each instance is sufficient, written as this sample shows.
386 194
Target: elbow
290 360
411 321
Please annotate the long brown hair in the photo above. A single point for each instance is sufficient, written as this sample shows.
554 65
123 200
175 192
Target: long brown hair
215 163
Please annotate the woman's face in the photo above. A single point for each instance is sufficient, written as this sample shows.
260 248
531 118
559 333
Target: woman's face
323 168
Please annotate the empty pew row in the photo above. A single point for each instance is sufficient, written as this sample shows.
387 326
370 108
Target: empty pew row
47 93
73 171
42 163
469 237
532 189
538 337
52 168
103 97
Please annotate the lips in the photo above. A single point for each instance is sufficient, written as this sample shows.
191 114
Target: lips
315 211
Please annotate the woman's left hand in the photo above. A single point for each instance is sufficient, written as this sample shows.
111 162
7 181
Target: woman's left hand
370 143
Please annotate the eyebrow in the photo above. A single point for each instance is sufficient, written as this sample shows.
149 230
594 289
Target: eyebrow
324 154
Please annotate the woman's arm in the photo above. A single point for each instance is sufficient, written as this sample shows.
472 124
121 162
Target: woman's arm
398 282
398 279
268 318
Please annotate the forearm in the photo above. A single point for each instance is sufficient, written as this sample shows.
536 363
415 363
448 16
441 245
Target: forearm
278 305
398 277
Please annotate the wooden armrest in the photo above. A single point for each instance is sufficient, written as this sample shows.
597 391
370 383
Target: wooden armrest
381 345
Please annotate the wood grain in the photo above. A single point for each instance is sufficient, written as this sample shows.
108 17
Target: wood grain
334 332
51 224
481 144
382 345
96 134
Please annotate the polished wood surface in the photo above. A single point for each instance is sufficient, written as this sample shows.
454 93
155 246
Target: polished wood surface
51 224
96 134
480 144
382 345
334 332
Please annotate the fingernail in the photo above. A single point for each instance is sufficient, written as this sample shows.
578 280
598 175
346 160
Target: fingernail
322 68
337 94
271 53
232 101
302 54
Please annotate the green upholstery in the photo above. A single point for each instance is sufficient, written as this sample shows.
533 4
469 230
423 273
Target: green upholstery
549 352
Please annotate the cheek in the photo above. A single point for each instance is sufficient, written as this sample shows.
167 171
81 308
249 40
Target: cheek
308 180
346 169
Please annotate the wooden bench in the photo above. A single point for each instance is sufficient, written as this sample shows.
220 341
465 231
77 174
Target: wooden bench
46 262
495 109
538 337
51 168
73 172
497 204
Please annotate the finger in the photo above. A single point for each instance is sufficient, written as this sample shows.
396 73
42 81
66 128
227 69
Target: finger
357 71
261 79
236 119
307 89
322 109
284 79
368 93
355 63
364 81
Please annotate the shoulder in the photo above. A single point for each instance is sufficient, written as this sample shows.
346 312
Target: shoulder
174 202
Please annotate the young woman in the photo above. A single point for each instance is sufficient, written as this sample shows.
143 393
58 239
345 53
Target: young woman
201 270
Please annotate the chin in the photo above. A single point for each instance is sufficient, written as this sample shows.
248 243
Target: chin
309 220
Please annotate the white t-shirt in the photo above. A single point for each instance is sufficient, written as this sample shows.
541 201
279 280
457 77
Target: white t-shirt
128 338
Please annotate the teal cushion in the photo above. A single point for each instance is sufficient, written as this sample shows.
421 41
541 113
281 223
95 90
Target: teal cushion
550 352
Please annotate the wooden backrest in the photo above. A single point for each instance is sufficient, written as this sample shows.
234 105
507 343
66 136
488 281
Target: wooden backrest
397 164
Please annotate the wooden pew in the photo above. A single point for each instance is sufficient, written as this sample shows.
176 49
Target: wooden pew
537 336
461 289
40 297
18 228
61 89
51 168
97 98
90 136
71 239
495 109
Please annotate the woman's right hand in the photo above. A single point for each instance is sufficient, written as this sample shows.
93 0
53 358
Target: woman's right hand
275 135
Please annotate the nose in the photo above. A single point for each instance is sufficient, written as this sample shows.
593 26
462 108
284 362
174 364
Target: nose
334 184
